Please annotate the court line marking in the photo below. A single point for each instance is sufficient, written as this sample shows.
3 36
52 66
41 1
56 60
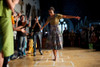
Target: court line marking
62 60
47 60
50 54
41 57
57 54
68 57
36 63
72 64
61 54
43 65
53 63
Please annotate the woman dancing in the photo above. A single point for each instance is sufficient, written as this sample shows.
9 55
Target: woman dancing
53 19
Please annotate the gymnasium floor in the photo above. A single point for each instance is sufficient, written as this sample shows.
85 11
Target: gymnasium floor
67 57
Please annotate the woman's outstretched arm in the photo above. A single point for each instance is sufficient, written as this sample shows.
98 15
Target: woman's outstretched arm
69 17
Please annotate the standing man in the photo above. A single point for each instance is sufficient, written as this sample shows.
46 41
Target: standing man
22 36
36 29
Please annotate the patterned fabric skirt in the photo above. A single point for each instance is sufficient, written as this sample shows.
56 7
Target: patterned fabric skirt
53 40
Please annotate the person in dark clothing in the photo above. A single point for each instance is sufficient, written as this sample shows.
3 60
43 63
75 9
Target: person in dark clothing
72 36
37 32
65 37
92 37
91 31
77 39
22 36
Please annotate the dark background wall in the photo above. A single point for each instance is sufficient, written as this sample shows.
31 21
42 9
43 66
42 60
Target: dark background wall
89 8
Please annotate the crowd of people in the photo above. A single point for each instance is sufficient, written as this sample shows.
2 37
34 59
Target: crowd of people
22 22
10 21
87 38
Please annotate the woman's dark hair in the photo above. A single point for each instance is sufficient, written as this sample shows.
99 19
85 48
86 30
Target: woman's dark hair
52 8
36 16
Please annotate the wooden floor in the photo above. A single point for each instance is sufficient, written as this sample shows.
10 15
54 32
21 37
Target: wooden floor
67 57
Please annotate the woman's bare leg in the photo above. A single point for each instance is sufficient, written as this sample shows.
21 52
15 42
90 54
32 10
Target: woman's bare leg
1 59
55 54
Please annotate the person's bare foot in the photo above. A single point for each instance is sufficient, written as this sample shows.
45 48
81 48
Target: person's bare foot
55 59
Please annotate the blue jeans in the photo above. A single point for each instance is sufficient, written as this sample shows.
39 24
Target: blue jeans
25 47
35 41
21 45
